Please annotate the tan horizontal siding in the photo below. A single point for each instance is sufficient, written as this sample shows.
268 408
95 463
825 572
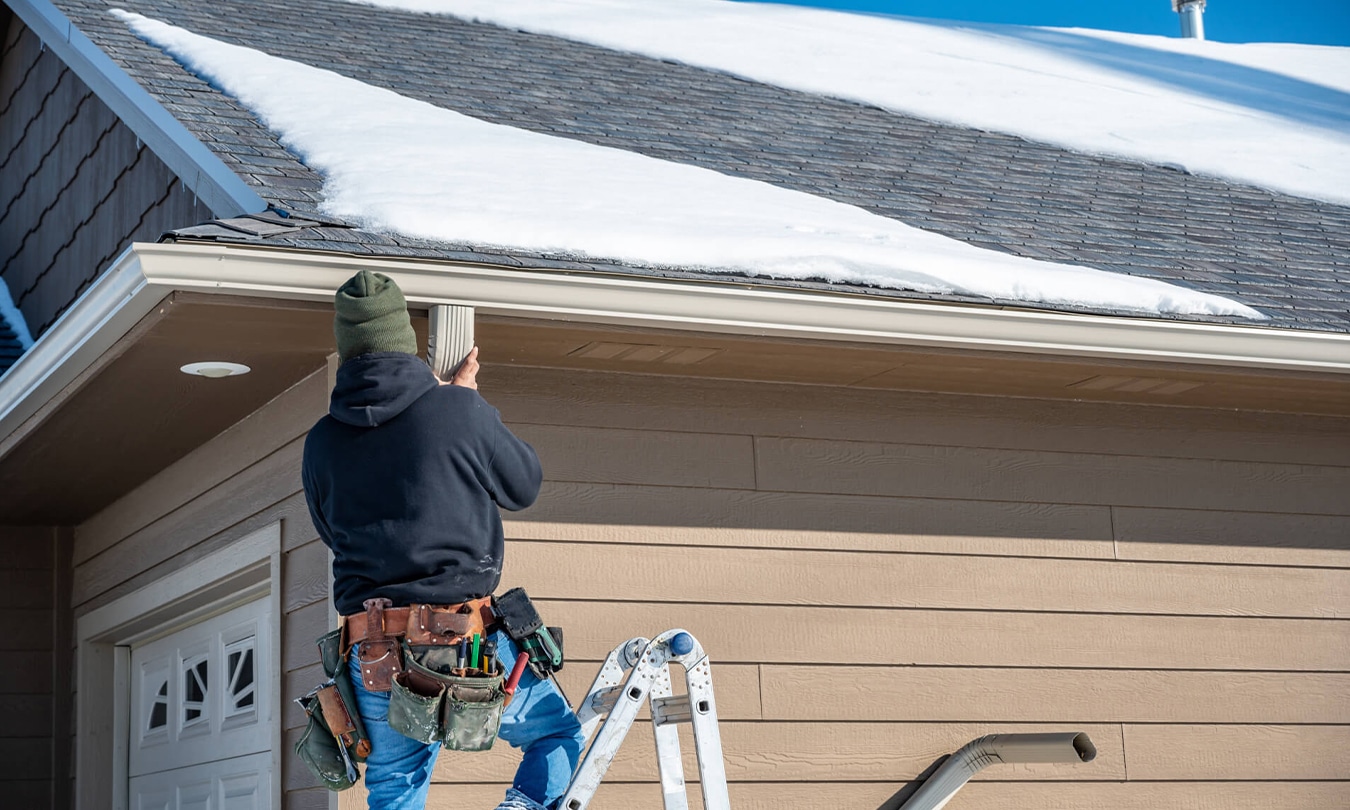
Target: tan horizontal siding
869 468
793 795
643 456
621 513
1232 537
1050 695
249 492
880 577
782 635
1160 752
818 752
862 579
605 400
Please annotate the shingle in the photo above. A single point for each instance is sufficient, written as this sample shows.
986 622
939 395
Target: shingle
992 190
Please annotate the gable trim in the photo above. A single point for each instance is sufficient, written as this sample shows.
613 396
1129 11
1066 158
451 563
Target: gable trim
223 191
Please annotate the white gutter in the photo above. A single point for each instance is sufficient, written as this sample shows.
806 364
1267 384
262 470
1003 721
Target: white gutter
223 191
144 274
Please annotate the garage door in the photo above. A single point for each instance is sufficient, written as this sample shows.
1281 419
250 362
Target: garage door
200 729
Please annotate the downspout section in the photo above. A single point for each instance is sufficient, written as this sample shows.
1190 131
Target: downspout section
996 749
1192 17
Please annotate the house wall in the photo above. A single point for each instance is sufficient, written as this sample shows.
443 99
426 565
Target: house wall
76 185
879 577
35 730
246 478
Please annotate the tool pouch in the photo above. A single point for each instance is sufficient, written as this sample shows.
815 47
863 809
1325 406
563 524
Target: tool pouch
471 713
335 667
334 739
464 712
522 623
322 746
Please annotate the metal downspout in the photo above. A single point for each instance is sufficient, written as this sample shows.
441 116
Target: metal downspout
996 749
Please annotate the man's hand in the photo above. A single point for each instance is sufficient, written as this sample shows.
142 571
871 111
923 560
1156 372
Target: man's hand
467 373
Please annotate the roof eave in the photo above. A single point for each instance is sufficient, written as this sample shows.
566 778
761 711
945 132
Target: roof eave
145 273
223 191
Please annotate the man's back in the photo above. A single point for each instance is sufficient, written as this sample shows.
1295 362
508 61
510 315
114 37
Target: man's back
404 477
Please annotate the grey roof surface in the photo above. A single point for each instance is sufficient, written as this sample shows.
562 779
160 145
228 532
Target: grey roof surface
1286 256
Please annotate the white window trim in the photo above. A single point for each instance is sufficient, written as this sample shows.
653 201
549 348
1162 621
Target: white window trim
245 570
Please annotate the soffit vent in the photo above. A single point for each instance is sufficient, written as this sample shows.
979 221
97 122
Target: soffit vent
1136 385
645 353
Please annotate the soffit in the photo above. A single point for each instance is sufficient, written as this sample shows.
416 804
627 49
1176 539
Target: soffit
135 413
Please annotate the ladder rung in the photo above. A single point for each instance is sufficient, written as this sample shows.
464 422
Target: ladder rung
670 710
673 709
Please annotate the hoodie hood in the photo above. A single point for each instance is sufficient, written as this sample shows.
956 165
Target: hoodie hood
373 388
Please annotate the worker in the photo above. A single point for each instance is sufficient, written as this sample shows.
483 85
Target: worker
403 479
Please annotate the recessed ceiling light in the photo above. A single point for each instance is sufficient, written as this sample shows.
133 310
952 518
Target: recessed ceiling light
215 368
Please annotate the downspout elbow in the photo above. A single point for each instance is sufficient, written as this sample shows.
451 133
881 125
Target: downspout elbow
995 749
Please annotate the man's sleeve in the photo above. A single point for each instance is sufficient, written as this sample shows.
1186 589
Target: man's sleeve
312 498
514 468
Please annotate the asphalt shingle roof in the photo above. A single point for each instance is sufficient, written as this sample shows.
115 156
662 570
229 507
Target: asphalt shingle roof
1289 257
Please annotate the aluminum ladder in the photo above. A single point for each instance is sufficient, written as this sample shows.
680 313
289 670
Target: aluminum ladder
638 671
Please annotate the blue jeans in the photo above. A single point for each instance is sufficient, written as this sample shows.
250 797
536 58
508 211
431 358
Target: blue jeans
538 721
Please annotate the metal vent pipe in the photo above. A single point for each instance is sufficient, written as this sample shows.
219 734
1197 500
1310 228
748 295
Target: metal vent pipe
994 749
1192 17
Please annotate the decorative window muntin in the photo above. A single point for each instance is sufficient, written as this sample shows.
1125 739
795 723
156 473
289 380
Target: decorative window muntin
195 704
241 677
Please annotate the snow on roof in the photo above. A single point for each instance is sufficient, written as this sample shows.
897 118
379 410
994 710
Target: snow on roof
1273 115
402 165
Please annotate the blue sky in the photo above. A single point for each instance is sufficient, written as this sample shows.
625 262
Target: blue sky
1324 22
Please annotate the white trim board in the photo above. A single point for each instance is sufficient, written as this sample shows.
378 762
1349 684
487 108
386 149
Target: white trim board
145 273
245 570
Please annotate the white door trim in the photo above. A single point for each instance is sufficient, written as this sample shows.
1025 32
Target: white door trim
241 572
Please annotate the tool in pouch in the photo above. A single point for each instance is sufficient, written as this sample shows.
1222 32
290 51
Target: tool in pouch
542 644
334 739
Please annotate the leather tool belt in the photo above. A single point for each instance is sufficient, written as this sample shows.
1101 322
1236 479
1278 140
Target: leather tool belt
381 629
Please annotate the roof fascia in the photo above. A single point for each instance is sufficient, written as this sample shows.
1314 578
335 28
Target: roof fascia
223 191
146 273
728 308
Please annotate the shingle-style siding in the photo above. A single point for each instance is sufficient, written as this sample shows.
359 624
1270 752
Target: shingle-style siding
1287 256
34 595
76 185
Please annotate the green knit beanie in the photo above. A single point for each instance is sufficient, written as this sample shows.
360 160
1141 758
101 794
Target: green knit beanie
372 316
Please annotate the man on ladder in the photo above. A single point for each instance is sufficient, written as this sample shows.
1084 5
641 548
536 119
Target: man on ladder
403 479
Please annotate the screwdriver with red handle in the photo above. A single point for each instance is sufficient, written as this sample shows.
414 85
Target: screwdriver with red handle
512 682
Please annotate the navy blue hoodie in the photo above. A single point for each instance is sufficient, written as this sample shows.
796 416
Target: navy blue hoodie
403 480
